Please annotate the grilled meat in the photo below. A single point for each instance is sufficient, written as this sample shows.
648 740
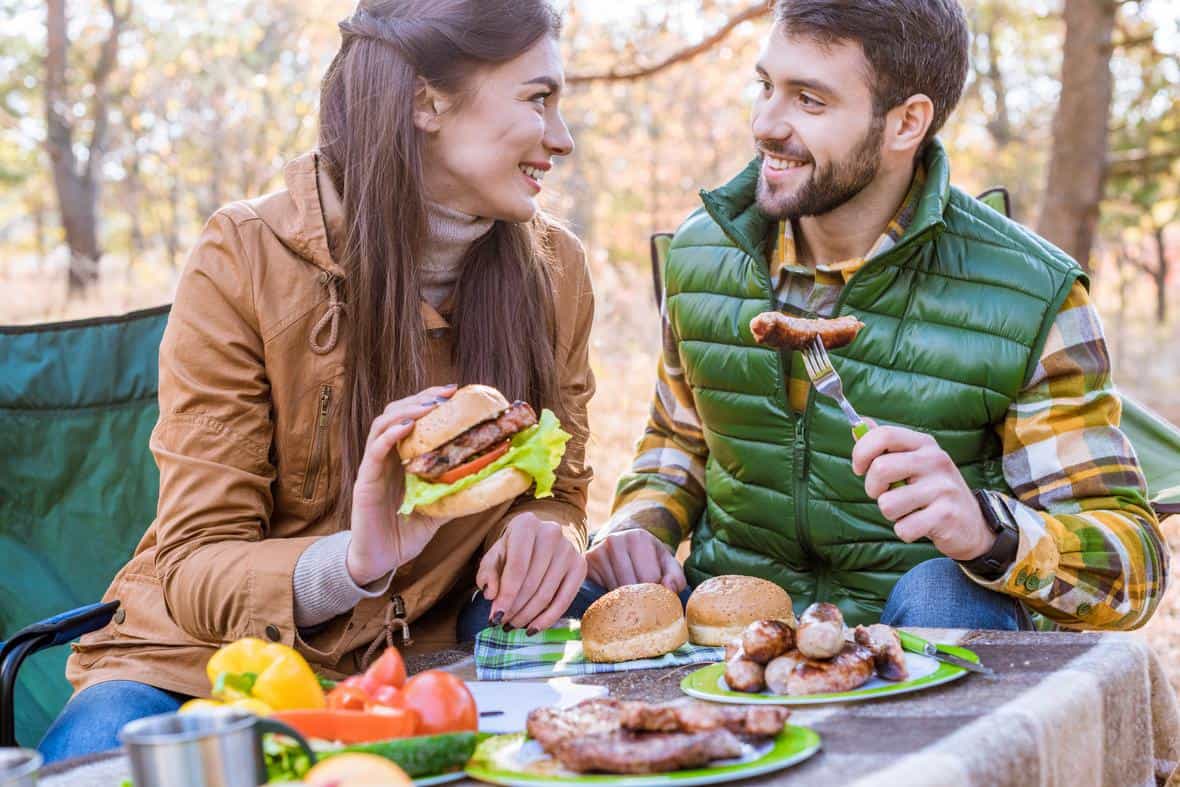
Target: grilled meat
474 441
888 656
753 721
794 333
553 726
631 752
821 631
763 640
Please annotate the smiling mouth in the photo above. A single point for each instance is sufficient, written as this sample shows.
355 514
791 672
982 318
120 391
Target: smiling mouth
535 173
782 164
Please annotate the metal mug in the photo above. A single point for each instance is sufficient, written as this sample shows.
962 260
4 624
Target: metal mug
18 767
222 748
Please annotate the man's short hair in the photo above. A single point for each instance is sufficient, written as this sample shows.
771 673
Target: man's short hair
912 46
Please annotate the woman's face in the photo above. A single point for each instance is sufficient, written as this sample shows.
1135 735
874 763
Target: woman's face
488 154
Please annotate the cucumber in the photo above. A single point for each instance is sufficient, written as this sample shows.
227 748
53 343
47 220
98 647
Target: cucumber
426 755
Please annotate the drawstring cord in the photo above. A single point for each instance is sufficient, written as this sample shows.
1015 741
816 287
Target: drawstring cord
330 320
390 624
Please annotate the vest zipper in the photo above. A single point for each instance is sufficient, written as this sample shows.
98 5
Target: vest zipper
319 440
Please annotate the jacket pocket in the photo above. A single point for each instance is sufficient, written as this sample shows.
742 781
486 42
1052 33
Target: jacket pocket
319 443
141 620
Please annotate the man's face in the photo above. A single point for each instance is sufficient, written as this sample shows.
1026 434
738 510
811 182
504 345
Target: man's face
814 126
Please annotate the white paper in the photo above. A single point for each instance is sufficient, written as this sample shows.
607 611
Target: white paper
515 698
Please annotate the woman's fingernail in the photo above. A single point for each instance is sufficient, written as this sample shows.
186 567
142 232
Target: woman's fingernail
531 632
507 627
497 618
450 386
407 422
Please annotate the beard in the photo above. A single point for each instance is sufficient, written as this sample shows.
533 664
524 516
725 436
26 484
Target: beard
829 186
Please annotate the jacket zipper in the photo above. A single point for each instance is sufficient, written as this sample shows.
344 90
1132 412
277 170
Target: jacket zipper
319 440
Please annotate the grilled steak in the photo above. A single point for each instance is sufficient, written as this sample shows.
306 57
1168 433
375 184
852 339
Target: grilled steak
553 726
474 441
757 721
631 752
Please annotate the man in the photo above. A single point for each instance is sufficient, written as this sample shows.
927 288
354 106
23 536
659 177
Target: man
982 359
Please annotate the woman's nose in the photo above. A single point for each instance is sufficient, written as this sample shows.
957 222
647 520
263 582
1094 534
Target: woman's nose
558 140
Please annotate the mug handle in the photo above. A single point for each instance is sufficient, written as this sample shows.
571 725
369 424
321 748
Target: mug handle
264 725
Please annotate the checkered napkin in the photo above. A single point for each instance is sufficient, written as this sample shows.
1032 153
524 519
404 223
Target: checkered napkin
509 655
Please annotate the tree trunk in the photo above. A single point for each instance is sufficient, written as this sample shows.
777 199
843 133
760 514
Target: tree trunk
1077 162
1160 274
77 184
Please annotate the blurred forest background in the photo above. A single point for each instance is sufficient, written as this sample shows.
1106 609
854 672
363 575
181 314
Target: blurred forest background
124 124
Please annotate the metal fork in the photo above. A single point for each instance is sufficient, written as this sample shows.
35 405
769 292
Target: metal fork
827 382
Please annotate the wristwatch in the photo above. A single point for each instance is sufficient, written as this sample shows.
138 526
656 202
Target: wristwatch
993 563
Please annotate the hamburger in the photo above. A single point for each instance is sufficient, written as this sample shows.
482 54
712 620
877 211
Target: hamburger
633 622
721 607
477 450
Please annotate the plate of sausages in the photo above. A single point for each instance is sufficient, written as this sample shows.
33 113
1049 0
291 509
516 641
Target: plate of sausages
818 660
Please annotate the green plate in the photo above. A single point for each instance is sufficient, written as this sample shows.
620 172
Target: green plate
708 683
514 760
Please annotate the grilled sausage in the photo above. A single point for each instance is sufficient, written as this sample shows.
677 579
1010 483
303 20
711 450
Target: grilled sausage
741 674
733 648
778 671
847 671
821 631
888 656
763 640
795 333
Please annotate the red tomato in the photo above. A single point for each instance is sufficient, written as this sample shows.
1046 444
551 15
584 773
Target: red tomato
388 697
346 697
474 466
349 726
442 702
389 670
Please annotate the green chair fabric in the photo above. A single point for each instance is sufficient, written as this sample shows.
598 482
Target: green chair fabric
78 484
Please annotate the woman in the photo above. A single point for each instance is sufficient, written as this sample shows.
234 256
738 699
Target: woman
310 330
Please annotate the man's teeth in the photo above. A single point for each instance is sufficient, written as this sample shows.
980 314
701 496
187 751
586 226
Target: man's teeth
534 173
776 163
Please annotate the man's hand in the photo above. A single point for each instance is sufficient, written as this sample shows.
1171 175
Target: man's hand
629 557
935 502
531 575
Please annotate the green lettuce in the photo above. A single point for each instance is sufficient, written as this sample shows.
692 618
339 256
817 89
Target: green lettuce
536 451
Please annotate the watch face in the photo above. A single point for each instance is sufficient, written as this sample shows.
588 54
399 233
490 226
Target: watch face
994 518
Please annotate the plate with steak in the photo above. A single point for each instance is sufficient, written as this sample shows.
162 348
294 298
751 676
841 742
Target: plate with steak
639 744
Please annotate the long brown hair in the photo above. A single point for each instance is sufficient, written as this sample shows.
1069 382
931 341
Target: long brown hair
503 320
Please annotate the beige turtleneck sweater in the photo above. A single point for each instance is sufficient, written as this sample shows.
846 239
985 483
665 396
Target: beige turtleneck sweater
323 588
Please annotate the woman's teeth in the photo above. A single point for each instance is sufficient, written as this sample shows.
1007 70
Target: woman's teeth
775 163
534 173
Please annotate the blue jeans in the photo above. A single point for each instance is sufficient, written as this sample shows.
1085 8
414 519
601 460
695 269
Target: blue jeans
934 594
91 721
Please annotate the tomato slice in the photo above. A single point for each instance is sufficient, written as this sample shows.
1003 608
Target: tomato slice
350 726
474 466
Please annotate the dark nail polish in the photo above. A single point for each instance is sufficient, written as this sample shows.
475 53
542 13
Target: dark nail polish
507 627
531 632
499 616
407 422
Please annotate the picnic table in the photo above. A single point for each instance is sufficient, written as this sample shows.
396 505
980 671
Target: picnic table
1063 709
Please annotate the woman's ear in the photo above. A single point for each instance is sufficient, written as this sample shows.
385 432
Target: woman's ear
429 104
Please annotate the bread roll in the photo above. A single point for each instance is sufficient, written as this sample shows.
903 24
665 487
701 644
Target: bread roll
633 622
721 607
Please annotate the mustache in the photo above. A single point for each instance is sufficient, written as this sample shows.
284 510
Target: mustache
783 150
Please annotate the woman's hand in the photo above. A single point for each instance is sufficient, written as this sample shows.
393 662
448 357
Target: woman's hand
382 540
531 575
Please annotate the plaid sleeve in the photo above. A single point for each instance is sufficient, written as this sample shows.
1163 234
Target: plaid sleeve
664 492
1091 551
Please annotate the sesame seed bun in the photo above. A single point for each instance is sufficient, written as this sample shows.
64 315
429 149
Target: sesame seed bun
721 607
633 622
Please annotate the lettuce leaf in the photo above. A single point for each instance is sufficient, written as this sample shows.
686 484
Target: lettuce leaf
536 451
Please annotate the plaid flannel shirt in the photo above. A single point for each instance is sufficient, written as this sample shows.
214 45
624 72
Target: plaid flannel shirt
1091 552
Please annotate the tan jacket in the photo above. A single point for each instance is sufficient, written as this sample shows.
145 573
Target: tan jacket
248 446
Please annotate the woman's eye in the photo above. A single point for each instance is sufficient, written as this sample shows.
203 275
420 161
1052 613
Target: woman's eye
765 85
808 101
540 98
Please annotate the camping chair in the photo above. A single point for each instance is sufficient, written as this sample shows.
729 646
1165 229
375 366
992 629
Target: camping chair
78 489
1156 441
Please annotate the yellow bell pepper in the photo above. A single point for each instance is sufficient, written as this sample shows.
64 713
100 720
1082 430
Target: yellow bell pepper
267 671
255 706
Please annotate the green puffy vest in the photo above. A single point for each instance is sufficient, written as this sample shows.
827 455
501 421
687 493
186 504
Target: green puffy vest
956 316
